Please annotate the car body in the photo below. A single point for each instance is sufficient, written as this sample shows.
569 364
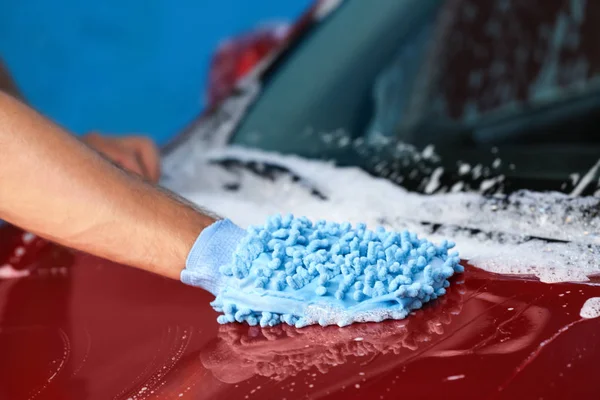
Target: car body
75 326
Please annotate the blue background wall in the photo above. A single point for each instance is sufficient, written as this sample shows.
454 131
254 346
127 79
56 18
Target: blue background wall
123 65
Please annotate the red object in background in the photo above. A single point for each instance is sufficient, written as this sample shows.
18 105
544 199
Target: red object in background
79 327
236 57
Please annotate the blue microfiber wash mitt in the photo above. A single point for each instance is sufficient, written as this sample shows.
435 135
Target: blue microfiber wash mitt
298 272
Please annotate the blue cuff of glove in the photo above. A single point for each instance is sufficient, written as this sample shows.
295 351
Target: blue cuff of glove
213 248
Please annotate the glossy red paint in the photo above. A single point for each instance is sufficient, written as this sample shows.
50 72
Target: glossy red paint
83 328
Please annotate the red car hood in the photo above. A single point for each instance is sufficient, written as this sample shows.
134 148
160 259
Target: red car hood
81 327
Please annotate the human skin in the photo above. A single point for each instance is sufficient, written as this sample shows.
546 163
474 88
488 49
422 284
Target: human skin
137 154
54 185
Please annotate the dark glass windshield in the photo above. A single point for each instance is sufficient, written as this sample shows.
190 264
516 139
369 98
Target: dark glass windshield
438 95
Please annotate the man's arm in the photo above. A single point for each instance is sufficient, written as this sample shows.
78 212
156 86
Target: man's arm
56 187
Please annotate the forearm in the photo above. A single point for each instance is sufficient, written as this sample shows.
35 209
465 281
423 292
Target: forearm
55 186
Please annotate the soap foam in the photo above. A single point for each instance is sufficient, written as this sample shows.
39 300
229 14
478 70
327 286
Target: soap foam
9 272
508 225
591 308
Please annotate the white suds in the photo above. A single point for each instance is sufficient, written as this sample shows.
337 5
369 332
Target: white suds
487 184
586 180
574 178
434 180
428 152
8 272
28 237
464 169
499 234
591 308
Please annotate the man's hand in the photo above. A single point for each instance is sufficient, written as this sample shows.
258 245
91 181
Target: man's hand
137 154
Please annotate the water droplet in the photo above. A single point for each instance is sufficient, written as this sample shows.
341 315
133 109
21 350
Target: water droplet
27 237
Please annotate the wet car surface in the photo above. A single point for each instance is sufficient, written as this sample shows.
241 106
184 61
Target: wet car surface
81 327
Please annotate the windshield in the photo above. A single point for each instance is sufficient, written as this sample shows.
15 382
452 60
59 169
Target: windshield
443 95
